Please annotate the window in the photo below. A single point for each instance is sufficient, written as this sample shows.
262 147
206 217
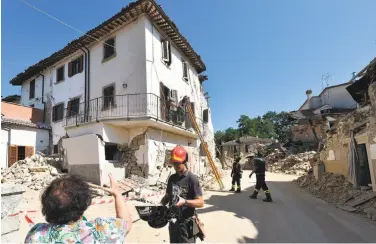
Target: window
185 70
76 66
56 149
111 151
109 48
166 52
60 74
73 107
108 97
58 112
205 115
32 89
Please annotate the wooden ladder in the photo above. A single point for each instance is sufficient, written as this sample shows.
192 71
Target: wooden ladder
204 145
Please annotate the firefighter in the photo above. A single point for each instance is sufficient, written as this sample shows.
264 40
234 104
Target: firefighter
186 186
259 170
236 175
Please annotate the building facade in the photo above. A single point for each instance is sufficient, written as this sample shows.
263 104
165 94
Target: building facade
124 81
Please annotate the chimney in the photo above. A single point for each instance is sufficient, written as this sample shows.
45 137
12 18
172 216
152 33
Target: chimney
353 75
308 93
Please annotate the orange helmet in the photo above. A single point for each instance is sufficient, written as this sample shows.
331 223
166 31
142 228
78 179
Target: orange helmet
178 155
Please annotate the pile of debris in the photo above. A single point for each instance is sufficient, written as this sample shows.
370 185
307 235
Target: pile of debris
34 173
334 188
295 164
274 156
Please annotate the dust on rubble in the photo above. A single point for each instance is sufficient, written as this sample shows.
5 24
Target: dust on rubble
293 164
34 173
334 188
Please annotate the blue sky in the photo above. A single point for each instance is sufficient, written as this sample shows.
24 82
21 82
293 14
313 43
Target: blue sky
260 55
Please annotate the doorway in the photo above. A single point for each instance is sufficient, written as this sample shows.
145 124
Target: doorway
362 166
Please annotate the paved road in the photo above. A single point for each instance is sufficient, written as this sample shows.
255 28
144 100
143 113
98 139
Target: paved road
294 216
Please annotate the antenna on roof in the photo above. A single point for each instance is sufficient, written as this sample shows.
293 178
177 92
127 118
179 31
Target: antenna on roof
325 78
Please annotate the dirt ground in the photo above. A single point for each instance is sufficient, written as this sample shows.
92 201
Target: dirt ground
294 216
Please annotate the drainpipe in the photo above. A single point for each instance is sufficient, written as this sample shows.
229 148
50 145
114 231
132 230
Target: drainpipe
44 105
85 92
88 79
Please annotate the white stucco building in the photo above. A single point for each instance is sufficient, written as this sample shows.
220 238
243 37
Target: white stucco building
118 85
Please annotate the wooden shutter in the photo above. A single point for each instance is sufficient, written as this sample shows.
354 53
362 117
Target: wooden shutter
185 70
166 52
70 68
29 151
13 155
81 61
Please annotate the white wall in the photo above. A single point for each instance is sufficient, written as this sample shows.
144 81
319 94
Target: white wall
4 148
338 97
25 136
127 67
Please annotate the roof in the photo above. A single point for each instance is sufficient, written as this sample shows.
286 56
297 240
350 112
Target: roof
247 140
20 122
125 16
327 88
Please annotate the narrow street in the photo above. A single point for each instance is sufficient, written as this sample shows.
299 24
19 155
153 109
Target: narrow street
294 216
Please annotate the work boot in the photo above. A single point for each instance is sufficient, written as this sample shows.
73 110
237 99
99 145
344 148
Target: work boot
268 197
238 190
232 189
254 195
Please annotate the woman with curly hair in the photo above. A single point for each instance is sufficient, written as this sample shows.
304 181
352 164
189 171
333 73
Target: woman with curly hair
64 202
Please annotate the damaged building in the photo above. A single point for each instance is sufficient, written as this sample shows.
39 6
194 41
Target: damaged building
350 140
318 113
116 102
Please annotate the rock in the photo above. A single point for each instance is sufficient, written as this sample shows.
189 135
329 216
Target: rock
53 172
365 188
374 217
369 216
370 210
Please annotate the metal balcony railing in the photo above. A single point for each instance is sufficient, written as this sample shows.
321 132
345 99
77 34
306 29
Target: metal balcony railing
127 107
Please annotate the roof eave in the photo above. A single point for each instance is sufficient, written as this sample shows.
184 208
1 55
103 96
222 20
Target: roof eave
122 18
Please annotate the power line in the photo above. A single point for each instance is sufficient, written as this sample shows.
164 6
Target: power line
63 23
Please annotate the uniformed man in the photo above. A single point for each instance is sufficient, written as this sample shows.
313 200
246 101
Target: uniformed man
236 175
186 186
259 170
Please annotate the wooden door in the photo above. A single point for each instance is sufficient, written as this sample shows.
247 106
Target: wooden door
29 151
13 155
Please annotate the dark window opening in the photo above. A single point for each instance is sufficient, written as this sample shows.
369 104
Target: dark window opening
73 107
56 149
32 89
109 48
235 149
76 66
108 97
206 115
185 70
362 166
166 52
21 154
58 112
111 151
60 74
246 148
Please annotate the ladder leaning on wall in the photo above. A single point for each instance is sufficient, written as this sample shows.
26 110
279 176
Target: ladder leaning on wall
204 144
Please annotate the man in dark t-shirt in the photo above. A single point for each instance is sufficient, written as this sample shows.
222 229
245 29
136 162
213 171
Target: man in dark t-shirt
184 195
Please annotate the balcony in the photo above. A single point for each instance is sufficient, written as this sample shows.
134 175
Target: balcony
130 107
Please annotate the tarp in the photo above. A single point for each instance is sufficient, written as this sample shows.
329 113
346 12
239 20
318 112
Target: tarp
352 159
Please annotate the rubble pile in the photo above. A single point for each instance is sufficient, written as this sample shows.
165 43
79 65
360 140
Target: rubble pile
296 164
35 172
334 188
274 156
